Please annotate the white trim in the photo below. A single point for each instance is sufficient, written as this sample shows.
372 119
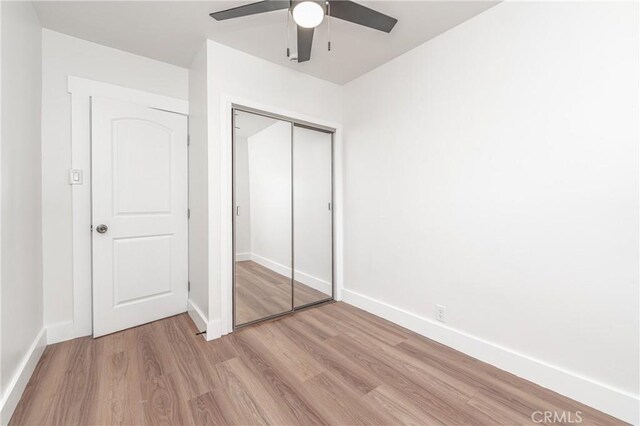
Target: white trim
226 234
81 322
85 87
20 379
197 316
276 267
302 277
81 91
62 331
240 257
603 397
313 282
214 330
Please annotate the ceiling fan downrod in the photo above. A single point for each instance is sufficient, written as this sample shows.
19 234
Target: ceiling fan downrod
288 50
328 26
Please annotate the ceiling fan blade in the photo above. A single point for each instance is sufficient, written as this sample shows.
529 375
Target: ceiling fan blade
358 14
250 9
305 41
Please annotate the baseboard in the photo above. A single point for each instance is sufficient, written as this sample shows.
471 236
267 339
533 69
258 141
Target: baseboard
213 328
197 316
243 256
62 331
20 379
270 264
598 395
304 278
313 282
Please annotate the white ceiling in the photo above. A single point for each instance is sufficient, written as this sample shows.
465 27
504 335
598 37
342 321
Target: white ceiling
248 124
173 31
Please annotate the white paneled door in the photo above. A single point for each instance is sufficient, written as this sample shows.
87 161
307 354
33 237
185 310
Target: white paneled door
139 197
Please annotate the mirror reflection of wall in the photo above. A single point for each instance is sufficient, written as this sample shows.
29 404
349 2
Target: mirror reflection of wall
243 200
282 217
312 186
262 171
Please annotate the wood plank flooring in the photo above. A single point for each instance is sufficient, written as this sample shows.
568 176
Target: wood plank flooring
332 364
261 292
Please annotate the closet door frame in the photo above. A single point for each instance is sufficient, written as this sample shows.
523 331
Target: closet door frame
293 123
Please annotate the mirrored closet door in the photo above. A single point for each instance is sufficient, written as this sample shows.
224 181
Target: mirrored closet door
282 218
312 226
263 219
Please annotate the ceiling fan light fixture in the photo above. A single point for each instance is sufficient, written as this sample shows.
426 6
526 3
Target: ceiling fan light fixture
308 14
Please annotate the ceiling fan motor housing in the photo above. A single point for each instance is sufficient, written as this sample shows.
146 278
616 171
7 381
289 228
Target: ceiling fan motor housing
308 13
321 3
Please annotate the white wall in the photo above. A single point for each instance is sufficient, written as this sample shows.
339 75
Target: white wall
243 199
64 56
199 191
1 392
494 170
232 77
22 323
270 194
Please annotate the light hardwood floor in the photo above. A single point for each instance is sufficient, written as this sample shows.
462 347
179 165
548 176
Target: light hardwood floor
261 292
332 364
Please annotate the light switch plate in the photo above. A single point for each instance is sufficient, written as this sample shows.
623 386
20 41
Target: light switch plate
75 177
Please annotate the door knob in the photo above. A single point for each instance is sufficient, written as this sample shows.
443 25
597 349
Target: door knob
102 229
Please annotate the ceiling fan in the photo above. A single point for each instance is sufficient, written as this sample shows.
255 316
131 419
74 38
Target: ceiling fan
308 14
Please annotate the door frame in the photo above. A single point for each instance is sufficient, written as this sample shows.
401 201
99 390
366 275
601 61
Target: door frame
81 90
293 123
227 104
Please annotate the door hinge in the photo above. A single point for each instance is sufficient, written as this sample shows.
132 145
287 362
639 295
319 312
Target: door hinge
188 286
188 140
188 213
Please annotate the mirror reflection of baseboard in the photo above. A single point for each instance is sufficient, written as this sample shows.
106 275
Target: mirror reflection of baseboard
282 221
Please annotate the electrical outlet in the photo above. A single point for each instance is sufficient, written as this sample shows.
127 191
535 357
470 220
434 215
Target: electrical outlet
440 313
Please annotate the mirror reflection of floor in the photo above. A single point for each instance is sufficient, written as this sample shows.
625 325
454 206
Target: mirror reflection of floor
261 292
